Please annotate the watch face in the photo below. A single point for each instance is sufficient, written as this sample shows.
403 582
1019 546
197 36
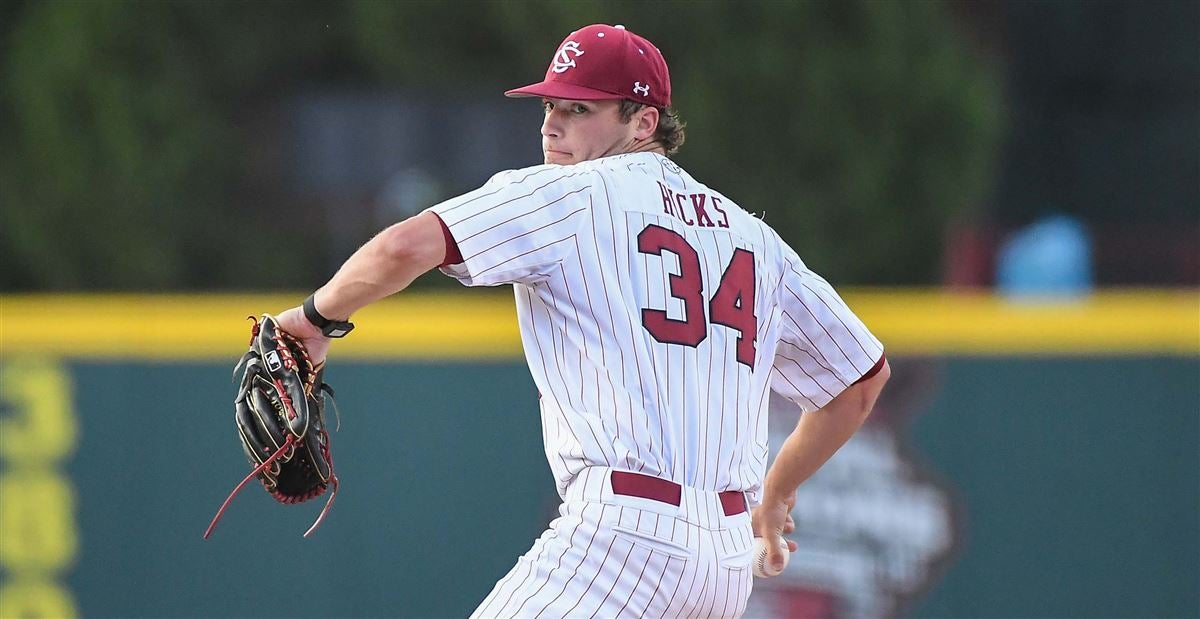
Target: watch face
337 329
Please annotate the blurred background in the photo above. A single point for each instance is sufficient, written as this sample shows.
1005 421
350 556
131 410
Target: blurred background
1007 192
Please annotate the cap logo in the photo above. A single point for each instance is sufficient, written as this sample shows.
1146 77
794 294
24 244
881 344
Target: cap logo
638 88
565 58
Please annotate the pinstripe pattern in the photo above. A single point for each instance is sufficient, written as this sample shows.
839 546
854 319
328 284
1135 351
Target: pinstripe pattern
615 394
607 556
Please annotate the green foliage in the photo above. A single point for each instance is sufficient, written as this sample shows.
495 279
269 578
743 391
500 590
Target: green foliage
129 149
859 129
129 129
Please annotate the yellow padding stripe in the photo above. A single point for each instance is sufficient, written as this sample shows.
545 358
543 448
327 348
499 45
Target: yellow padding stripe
1110 322
482 324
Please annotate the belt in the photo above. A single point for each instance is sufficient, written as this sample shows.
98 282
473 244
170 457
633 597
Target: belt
656 489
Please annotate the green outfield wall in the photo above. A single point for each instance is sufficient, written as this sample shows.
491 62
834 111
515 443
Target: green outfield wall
1074 469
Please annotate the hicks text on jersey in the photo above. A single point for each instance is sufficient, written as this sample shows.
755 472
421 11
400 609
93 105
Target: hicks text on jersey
680 205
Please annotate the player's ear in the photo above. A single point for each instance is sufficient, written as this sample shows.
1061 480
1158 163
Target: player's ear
646 120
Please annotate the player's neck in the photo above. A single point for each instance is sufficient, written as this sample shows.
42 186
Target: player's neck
649 145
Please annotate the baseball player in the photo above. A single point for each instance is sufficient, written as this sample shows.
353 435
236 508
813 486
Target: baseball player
655 314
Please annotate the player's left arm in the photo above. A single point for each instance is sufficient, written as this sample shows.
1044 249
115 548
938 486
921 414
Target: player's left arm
383 266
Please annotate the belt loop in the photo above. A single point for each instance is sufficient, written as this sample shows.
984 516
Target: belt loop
600 480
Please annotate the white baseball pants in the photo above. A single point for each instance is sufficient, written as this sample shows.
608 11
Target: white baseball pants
614 555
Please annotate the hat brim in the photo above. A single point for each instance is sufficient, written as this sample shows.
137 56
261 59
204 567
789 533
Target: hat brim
561 90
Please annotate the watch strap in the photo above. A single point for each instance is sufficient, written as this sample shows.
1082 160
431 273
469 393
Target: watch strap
330 328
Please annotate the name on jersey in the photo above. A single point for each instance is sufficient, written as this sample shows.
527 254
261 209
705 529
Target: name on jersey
693 208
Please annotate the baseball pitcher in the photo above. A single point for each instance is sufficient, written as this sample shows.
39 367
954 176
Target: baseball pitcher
656 315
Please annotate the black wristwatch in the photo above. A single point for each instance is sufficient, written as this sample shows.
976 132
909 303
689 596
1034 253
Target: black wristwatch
331 328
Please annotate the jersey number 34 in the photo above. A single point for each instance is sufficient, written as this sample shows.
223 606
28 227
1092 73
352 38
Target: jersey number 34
732 305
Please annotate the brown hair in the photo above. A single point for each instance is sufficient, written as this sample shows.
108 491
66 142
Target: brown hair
670 129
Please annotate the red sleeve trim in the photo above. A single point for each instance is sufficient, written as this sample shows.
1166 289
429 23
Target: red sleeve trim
453 255
874 369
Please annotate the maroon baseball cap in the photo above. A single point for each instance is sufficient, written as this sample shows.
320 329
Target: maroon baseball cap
600 62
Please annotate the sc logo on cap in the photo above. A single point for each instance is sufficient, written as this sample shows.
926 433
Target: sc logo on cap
564 59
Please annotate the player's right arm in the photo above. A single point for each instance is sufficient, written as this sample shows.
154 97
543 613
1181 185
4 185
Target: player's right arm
820 433
817 436
828 363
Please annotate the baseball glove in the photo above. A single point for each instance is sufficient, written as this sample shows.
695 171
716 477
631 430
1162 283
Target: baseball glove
280 415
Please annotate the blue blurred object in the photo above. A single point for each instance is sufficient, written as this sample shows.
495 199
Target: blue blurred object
1051 257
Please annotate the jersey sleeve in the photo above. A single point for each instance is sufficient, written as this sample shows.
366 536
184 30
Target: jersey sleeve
824 347
518 225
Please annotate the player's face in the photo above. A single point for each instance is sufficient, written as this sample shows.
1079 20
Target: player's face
576 131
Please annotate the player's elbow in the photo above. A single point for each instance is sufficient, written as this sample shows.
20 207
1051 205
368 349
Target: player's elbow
872 387
884 374
858 400
416 242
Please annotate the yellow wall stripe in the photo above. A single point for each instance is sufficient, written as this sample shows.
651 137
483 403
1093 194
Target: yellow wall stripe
482 324
1109 322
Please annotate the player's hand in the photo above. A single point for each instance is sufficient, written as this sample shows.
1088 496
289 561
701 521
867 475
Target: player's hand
294 322
771 521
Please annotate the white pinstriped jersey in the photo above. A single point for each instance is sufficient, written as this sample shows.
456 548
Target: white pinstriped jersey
655 315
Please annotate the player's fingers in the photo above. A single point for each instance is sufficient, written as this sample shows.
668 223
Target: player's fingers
789 525
792 546
775 549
